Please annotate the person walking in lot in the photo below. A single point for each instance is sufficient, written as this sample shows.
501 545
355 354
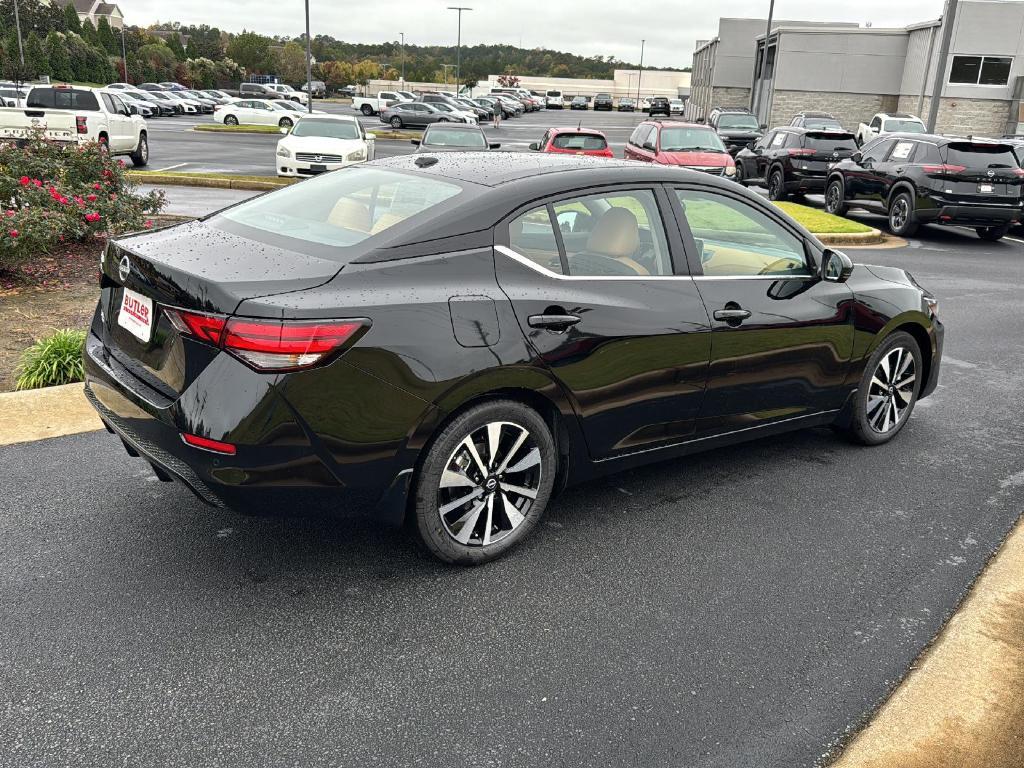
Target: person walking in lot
496 116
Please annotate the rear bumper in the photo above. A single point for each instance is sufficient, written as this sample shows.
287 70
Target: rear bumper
288 467
973 215
806 181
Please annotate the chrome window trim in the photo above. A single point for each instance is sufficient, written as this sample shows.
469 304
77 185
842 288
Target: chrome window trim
506 251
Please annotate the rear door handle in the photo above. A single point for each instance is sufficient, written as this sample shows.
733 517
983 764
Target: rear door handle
733 315
558 323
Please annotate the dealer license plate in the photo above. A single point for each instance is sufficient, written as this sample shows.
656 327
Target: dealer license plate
985 188
136 315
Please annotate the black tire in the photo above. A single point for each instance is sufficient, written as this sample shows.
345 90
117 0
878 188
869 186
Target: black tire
442 120
230 120
741 175
902 216
776 185
992 234
835 198
141 154
285 122
866 417
449 450
396 122
367 110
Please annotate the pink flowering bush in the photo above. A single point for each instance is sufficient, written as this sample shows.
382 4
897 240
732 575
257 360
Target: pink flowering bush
52 195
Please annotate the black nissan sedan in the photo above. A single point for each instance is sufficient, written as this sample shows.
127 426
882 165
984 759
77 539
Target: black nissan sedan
451 339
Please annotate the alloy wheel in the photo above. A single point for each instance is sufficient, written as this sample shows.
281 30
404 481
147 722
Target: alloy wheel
891 390
899 214
489 483
833 198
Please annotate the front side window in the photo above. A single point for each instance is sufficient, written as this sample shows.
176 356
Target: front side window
876 151
902 150
779 140
341 209
737 240
980 70
616 234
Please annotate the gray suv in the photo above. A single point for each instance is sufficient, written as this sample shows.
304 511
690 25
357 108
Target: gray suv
257 91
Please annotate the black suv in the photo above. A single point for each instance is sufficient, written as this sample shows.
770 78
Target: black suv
736 127
919 179
793 160
603 101
822 121
660 106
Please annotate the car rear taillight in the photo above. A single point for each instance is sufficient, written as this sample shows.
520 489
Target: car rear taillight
800 152
80 124
943 169
270 345
214 446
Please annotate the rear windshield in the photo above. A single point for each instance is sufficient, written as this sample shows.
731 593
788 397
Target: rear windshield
60 98
737 122
329 129
830 141
455 137
579 141
822 123
554 94
690 140
904 126
340 209
981 156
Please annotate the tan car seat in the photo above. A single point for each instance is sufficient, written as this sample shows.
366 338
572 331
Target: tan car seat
616 235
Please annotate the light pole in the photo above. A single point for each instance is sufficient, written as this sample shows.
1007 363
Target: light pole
458 53
124 56
640 74
309 66
948 17
446 68
17 25
403 57
755 98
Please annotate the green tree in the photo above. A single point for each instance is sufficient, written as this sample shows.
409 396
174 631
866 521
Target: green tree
35 55
204 41
252 51
157 62
290 62
227 74
174 43
71 20
60 60
110 42
90 35
200 72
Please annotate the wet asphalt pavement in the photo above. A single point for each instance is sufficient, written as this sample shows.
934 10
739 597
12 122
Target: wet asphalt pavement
745 607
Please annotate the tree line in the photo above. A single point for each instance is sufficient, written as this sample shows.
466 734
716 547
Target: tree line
57 44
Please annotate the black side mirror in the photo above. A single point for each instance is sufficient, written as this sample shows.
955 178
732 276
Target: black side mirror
414 142
836 266
494 146
764 126
535 146
857 157
649 146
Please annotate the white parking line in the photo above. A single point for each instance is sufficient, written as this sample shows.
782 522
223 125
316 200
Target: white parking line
1014 240
169 168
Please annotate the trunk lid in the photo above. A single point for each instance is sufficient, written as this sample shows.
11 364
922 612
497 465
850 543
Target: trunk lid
823 148
196 267
980 173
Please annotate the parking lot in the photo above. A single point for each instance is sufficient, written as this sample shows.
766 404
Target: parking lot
749 606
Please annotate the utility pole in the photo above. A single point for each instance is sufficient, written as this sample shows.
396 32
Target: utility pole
124 56
17 25
755 98
403 57
458 53
309 66
640 74
446 68
948 17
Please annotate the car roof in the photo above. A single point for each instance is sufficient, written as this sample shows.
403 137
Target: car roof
678 124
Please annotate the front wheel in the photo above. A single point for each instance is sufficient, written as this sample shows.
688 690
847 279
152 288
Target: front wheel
776 185
141 154
741 175
888 390
992 234
230 120
835 202
485 482
285 122
902 216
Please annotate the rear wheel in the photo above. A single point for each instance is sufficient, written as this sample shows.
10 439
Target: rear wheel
741 175
396 122
776 185
902 216
366 109
835 202
993 233
485 482
285 122
230 120
888 390
141 154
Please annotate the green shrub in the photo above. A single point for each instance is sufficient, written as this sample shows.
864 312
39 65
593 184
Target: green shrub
55 194
57 359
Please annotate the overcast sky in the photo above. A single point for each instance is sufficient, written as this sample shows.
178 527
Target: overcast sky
585 27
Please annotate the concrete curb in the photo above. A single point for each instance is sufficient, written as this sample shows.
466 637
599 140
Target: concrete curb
873 237
37 414
218 182
381 136
962 704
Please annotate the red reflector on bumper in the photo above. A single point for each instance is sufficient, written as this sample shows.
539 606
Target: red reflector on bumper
216 446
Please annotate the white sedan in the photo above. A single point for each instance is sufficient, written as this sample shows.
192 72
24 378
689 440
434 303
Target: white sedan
257 112
290 105
318 144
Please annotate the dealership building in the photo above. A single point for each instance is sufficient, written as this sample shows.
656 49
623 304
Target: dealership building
854 72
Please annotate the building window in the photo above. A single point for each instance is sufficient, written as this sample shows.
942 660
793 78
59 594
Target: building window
980 70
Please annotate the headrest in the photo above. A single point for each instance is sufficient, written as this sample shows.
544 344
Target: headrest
616 234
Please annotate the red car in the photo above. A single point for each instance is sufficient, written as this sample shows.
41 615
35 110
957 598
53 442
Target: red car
687 145
574 141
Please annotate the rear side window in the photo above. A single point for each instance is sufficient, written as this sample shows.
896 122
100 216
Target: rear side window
533 236
341 209
980 156
60 98
830 141
581 141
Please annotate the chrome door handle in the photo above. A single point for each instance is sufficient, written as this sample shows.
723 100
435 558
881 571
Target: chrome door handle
731 314
557 323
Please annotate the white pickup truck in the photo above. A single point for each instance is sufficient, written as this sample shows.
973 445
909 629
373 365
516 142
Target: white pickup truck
78 115
886 122
372 105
